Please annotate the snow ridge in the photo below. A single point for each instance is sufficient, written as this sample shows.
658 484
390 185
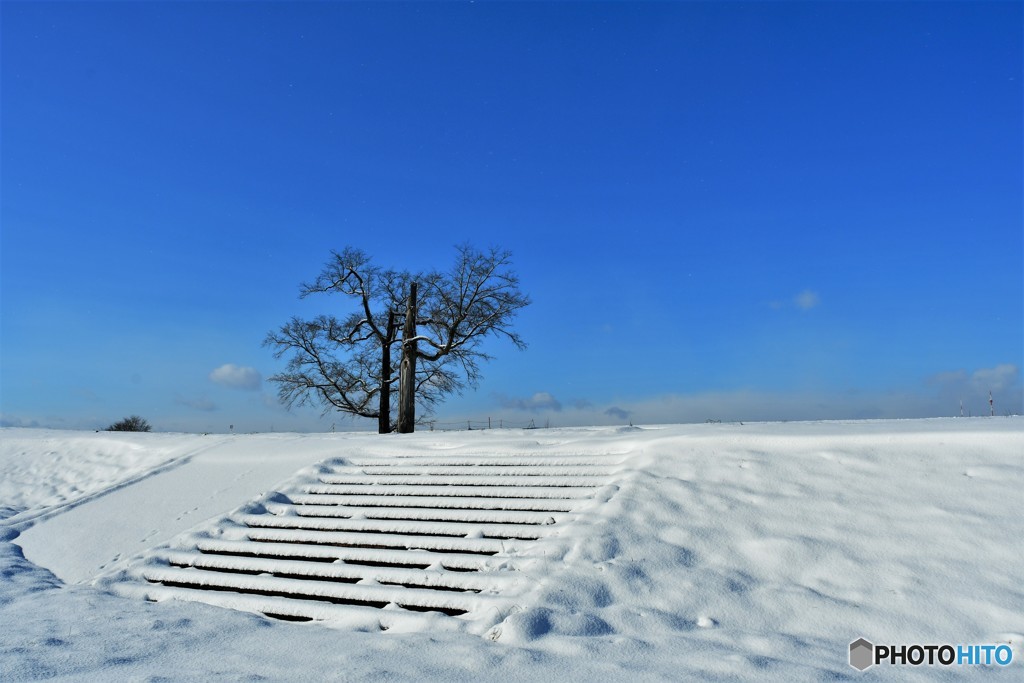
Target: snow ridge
381 543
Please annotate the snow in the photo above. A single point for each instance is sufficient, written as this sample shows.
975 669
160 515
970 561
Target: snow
717 552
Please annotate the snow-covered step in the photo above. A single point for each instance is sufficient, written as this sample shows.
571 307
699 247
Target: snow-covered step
463 529
450 470
433 502
466 479
522 461
344 593
291 609
340 571
483 546
364 556
511 491
522 517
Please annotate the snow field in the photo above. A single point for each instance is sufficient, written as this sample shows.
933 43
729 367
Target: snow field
709 552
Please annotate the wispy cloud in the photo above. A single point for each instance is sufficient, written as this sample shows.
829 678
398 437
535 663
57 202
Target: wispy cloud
237 377
202 403
939 396
999 378
972 389
15 421
948 378
806 300
618 412
87 394
540 401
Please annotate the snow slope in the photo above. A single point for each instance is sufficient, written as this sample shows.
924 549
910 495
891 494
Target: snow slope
715 552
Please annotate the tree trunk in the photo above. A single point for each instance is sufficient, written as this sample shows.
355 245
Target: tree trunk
407 376
384 416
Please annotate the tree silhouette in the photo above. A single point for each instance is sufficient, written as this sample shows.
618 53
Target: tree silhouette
429 333
134 423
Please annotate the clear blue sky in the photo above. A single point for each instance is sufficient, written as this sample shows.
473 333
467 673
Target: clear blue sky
721 210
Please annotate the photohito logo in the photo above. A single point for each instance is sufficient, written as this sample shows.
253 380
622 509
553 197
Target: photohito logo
864 654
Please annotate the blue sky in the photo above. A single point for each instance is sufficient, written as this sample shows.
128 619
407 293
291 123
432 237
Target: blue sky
720 210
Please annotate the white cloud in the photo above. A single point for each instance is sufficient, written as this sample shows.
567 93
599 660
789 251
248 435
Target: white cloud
971 389
807 299
237 377
1001 378
998 378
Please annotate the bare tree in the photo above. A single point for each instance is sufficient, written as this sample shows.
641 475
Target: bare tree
344 364
477 298
349 364
133 423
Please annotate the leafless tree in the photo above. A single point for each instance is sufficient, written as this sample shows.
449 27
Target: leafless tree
479 297
350 364
133 423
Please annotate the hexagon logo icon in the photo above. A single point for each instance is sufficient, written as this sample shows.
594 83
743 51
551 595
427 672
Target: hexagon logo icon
862 654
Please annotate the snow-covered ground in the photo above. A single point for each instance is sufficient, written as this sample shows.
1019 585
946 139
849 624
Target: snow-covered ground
706 552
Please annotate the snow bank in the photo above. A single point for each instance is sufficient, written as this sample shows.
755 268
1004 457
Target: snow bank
46 469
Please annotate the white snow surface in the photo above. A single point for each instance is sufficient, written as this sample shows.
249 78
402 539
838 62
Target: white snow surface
743 552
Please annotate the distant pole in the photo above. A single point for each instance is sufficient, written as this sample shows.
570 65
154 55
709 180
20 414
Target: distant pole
991 405
488 422
961 407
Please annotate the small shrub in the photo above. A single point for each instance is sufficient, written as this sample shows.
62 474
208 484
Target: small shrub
130 424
